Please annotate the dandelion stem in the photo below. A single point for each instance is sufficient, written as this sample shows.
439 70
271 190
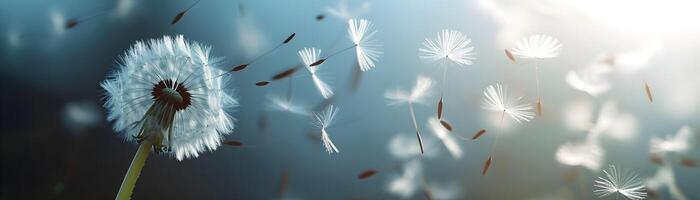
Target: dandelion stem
289 90
537 81
497 133
415 124
132 175
413 116
340 51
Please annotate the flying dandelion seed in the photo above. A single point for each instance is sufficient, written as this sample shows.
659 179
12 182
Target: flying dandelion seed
342 12
447 48
624 183
681 142
322 121
286 105
665 178
402 146
497 99
445 137
308 56
405 185
587 83
417 95
163 96
537 47
366 48
361 32
587 153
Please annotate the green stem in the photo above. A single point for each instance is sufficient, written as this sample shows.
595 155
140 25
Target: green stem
134 172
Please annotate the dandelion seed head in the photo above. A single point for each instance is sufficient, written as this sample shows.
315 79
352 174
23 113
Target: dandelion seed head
448 47
164 91
624 183
308 56
362 33
496 99
537 47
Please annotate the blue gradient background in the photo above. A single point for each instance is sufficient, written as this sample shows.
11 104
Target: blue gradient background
41 160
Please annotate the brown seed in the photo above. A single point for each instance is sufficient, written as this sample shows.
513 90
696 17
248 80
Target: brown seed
656 158
177 18
420 142
317 62
689 162
648 91
446 125
367 173
262 83
289 38
233 143
510 56
71 23
539 108
487 165
478 134
239 67
285 73
439 111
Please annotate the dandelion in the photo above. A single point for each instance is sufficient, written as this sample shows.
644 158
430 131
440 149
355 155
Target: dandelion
497 99
537 47
445 137
163 96
449 47
625 183
681 142
308 56
361 32
417 95
322 121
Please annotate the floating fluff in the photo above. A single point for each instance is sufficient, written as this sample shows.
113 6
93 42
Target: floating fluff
622 183
163 92
361 33
496 99
308 56
448 46
537 46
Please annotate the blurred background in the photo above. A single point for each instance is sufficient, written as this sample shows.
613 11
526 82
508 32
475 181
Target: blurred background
56 143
